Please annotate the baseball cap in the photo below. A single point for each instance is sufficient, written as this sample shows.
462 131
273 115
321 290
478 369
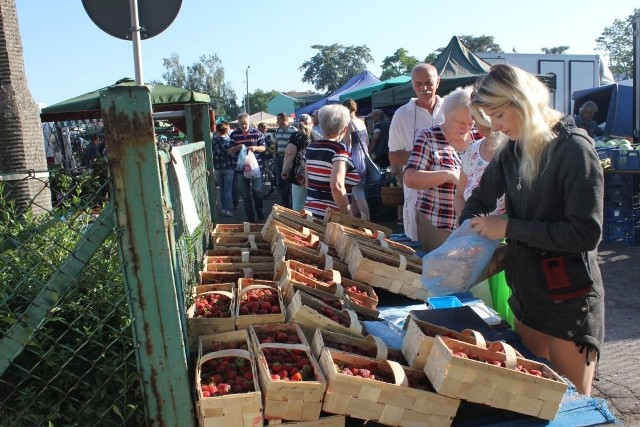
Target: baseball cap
375 111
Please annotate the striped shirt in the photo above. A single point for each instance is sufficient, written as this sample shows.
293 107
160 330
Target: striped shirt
432 152
282 139
320 157
253 138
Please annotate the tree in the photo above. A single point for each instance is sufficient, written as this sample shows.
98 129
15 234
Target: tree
21 139
397 64
333 65
259 99
617 41
480 44
554 50
205 75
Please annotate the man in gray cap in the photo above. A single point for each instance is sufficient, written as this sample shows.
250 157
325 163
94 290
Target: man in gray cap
379 144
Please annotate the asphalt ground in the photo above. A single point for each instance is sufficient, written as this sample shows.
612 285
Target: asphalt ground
619 368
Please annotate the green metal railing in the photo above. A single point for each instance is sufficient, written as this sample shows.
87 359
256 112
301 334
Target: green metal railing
93 293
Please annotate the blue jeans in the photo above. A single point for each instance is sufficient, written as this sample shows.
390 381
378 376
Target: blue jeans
224 179
250 190
282 186
298 197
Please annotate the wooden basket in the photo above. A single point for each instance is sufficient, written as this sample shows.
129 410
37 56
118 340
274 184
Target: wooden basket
243 321
225 251
420 336
231 230
290 400
259 333
323 421
241 409
291 251
336 233
269 229
386 270
392 196
333 215
290 278
495 386
199 326
394 404
243 241
230 263
302 218
369 346
303 310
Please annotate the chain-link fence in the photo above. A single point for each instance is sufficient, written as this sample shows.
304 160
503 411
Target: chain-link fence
68 353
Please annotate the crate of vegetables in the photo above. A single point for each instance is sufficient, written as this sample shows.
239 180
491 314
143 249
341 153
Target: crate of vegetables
311 313
258 301
292 275
420 337
210 312
383 391
369 346
291 381
494 376
386 269
227 388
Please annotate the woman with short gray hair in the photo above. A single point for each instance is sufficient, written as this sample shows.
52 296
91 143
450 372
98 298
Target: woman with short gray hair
329 171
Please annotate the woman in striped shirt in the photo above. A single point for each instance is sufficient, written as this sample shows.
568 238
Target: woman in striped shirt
330 173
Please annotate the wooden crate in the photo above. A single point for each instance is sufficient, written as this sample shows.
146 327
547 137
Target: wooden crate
214 342
245 228
495 386
337 232
244 241
225 251
291 276
241 409
305 255
369 346
269 228
420 337
199 326
382 270
312 241
323 421
290 400
395 403
260 333
243 321
333 215
240 266
370 300
303 310
263 272
303 218
226 263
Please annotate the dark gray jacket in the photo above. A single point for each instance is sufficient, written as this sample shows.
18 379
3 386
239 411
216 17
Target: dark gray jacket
562 212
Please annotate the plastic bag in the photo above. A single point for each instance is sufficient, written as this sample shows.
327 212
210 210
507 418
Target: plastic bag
458 263
242 155
251 168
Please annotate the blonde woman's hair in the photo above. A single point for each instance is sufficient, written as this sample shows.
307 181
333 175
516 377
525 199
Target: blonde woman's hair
506 85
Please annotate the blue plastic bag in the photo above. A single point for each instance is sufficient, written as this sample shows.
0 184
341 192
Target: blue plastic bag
457 265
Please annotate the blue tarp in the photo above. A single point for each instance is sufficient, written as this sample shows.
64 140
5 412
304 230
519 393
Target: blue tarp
361 80
615 107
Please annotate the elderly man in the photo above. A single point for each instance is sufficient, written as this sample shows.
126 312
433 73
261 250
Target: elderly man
282 135
249 189
409 120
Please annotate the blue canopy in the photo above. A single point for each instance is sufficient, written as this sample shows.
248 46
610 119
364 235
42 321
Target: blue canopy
361 80
615 107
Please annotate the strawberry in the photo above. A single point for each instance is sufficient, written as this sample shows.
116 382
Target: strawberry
275 377
248 375
223 389
365 373
281 337
275 309
347 371
296 377
206 393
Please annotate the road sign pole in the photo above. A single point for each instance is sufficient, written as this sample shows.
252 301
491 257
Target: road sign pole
137 41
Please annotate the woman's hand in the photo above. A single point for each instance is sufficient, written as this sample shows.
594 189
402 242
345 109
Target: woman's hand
493 227
284 175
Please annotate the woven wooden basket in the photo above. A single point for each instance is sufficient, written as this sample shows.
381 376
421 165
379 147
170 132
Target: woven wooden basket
392 196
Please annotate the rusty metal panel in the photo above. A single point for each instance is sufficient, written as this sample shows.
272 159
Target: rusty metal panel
142 217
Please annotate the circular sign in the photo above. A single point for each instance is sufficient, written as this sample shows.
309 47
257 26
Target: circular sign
114 16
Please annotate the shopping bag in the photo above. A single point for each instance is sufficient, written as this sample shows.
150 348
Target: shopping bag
458 263
251 167
242 155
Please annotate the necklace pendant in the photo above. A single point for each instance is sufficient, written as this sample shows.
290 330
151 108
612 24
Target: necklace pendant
519 186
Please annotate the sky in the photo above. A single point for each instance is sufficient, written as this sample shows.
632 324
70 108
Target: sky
67 55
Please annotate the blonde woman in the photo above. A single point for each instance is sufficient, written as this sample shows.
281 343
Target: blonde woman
552 180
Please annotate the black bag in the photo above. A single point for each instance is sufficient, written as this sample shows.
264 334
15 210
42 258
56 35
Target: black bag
565 276
361 159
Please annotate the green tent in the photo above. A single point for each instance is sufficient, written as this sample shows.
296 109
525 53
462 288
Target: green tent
457 66
366 92
87 106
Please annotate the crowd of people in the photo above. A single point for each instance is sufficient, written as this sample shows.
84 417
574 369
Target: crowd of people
494 154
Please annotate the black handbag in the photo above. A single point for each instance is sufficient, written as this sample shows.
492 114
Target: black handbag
372 174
